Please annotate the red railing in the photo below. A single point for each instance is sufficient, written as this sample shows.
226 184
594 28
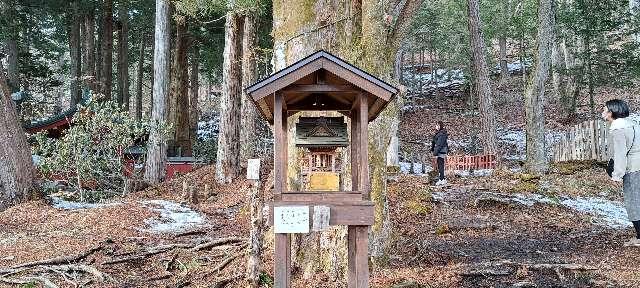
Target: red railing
468 162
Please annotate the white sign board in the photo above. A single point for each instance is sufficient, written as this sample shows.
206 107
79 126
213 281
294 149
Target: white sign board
321 216
253 169
291 219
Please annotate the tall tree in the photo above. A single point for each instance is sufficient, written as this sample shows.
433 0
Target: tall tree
12 64
537 161
88 51
74 53
481 77
193 92
179 97
123 56
157 149
107 48
17 174
140 79
370 40
248 133
228 154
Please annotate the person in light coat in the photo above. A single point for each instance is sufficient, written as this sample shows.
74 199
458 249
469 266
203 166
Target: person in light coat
624 149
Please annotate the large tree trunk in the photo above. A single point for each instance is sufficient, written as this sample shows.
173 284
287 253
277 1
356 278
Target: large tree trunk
180 91
537 162
12 65
107 48
74 54
140 79
157 148
368 41
481 75
123 57
194 112
248 133
17 174
98 49
88 51
228 154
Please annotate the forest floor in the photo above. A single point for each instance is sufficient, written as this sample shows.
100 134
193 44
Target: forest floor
566 229
480 232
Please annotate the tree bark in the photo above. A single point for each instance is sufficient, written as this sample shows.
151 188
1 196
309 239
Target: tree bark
140 79
123 57
17 175
88 42
481 75
504 70
157 148
74 54
248 133
194 113
99 32
371 43
537 161
107 49
228 154
12 65
180 91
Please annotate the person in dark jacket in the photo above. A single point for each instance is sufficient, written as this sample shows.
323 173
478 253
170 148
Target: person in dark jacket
440 148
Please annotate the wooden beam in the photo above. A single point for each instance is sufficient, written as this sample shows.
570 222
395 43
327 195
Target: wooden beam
354 150
363 121
320 88
278 145
285 152
358 256
331 106
342 212
282 261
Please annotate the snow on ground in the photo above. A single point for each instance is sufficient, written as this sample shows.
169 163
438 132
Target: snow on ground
474 173
174 217
608 213
59 203
604 212
208 129
518 139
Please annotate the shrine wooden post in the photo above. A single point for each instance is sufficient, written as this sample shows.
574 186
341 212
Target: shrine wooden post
322 82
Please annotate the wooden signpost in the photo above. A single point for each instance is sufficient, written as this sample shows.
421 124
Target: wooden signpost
322 82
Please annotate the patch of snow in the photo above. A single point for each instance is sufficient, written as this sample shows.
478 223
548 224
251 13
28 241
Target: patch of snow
36 159
405 167
174 217
59 203
609 213
605 212
474 173
208 129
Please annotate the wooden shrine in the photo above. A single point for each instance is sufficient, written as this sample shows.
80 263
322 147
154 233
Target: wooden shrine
322 140
322 82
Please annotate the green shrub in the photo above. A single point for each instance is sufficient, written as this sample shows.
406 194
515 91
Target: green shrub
90 156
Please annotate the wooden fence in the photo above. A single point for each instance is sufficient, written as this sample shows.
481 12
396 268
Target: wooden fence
453 162
585 141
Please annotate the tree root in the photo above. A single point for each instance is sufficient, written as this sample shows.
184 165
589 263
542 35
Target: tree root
218 242
26 280
55 261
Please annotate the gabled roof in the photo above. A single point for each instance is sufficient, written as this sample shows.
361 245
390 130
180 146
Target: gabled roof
346 79
321 132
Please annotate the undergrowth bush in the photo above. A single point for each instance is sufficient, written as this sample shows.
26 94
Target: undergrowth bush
90 156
